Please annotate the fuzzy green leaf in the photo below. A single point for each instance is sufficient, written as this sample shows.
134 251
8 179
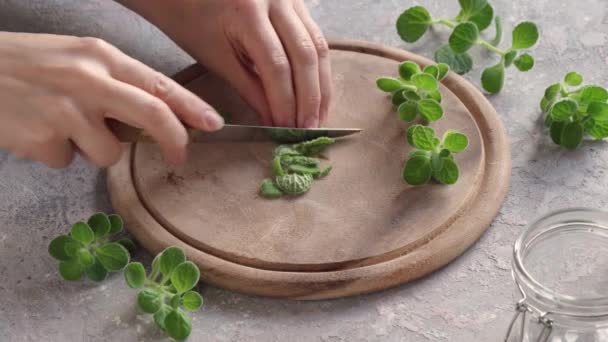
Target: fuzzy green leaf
525 35
57 248
455 141
100 224
294 184
425 82
407 111
498 35
71 270
388 84
113 256
460 63
276 165
96 272
435 95
135 275
192 300
424 137
161 315
524 62
149 300
593 93
552 91
483 18
430 109
443 70
85 258
447 173
411 96
269 190
469 8
408 69
493 78
599 130
417 170
116 224
509 57
572 135
413 23
82 232
573 79
556 130
397 98
598 111
432 70
313 147
128 244
178 325
170 258
563 109
463 37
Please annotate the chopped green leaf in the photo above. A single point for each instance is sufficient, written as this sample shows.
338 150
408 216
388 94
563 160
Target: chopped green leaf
269 190
294 184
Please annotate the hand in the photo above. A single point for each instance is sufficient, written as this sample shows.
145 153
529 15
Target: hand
57 91
270 51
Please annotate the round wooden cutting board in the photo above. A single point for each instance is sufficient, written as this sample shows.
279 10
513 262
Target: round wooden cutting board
361 229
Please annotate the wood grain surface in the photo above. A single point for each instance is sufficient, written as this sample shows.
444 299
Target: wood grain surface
359 230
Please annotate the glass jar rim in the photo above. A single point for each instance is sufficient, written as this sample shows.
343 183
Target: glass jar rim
558 303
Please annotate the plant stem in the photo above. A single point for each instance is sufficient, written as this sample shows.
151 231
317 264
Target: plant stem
446 22
491 47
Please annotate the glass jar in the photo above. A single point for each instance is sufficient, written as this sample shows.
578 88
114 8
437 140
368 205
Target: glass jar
560 266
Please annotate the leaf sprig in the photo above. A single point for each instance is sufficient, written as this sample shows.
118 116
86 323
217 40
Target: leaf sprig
433 158
573 109
87 249
166 290
474 17
294 168
416 91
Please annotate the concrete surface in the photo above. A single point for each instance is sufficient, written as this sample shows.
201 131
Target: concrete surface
470 300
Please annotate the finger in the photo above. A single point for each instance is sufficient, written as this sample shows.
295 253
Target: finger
56 154
322 48
132 104
97 144
264 47
188 107
304 62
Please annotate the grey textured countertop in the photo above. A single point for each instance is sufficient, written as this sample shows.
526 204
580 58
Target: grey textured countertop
469 300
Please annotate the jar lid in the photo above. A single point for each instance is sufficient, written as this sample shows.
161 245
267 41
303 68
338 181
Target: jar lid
561 263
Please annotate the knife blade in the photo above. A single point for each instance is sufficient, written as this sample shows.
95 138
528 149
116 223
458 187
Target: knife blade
237 133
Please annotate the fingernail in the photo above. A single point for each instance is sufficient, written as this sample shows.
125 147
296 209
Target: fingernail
213 121
312 122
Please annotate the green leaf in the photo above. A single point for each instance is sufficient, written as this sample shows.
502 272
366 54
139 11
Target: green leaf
483 18
563 109
424 137
113 256
170 258
552 91
397 98
408 69
448 173
471 7
425 82
388 85
303 169
313 147
411 96
161 315
72 247
524 62
192 300
82 232
572 135
548 119
435 95
96 272
284 150
463 37
599 130
593 93
573 79
71 270
598 111
509 57
430 109
455 141
149 300
57 248
178 325
269 190
407 111
460 63
417 170
413 23
432 70
116 224
525 35
100 224
493 78
498 35
410 134
128 244
135 275
294 184
325 172
185 276
85 258
545 104
276 165
556 129
443 70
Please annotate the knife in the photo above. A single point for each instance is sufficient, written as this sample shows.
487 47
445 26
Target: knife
237 133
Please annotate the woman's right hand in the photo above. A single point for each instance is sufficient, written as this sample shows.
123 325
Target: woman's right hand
57 91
